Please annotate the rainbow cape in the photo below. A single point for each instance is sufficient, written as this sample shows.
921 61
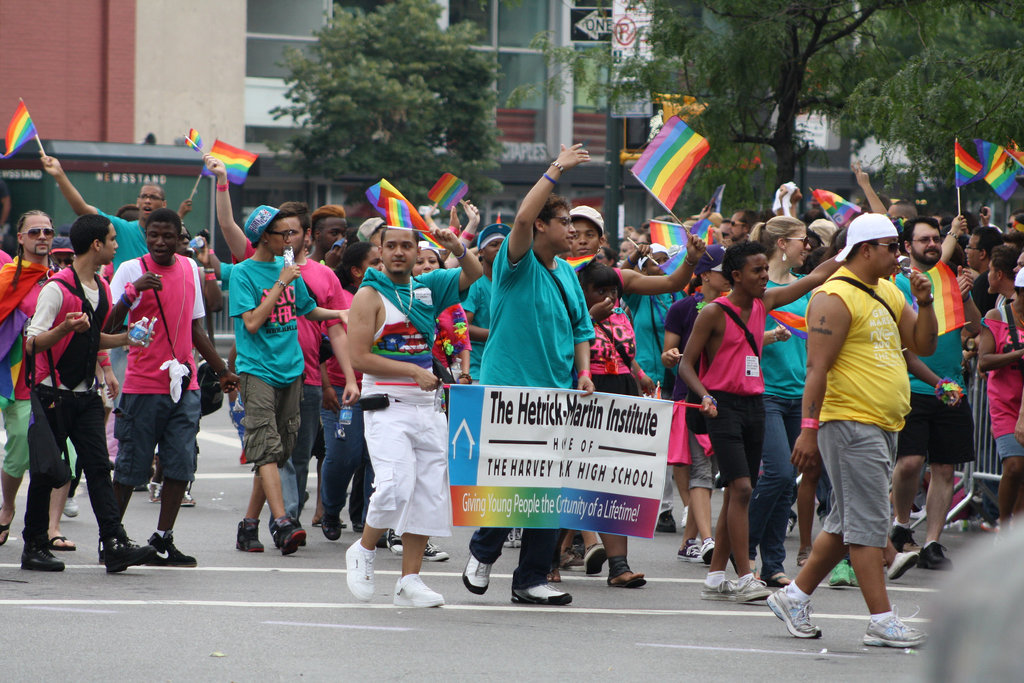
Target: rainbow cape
12 354
839 211
447 191
194 141
20 130
949 305
398 211
797 324
997 169
669 159
578 263
966 168
674 235
237 161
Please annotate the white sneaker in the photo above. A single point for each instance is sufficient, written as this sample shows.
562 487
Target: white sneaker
359 563
543 594
71 507
901 563
707 549
752 590
892 632
476 576
796 615
410 591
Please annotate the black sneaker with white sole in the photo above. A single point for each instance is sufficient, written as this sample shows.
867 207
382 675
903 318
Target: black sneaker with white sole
932 557
167 555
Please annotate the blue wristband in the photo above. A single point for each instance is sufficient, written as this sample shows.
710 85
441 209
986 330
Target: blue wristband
553 181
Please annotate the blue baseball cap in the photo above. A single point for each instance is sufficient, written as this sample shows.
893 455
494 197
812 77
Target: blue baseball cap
257 222
492 232
711 260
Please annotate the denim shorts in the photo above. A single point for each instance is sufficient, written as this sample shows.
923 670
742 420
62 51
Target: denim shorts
145 422
1007 446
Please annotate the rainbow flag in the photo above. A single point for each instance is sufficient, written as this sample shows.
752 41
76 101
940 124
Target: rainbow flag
237 161
797 324
997 169
11 355
20 130
949 304
839 211
447 191
669 159
193 140
398 211
965 167
578 263
1015 153
674 235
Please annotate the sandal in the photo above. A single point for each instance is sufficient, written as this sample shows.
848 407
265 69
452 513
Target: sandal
61 543
554 576
778 580
627 579
5 529
802 555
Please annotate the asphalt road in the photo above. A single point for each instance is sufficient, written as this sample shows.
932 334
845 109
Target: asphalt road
246 617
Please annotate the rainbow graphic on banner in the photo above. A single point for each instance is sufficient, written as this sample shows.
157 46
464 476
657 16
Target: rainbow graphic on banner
839 211
398 211
194 140
949 309
997 169
237 161
578 263
20 130
552 508
966 168
674 235
447 191
797 324
671 156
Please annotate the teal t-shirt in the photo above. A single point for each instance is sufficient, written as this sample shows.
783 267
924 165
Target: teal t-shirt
948 357
478 302
784 364
131 239
649 313
422 299
272 354
533 330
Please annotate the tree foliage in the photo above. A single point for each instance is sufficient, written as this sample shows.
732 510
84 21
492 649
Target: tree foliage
388 93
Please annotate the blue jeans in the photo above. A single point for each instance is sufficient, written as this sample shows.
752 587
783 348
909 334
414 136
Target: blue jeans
295 472
773 494
535 555
342 459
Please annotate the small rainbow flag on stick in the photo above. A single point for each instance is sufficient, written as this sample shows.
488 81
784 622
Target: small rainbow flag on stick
669 159
797 324
997 169
674 235
949 308
398 211
966 168
839 211
578 263
237 161
20 131
193 140
447 191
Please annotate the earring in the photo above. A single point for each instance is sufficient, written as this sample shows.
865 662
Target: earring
783 257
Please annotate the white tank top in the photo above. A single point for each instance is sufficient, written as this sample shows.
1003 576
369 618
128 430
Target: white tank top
397 339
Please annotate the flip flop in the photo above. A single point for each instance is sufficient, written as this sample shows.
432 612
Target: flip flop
6 530
778 580
627 580
61 543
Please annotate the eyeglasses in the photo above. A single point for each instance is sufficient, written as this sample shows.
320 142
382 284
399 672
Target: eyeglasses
36 232
926 240
564 220
893 247
288 234
154 197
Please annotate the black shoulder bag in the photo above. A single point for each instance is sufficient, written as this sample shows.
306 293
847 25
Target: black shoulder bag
565 300
870 292
47 462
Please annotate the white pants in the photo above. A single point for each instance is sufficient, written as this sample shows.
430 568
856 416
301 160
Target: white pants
408 450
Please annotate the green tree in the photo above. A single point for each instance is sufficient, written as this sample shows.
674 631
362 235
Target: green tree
388 93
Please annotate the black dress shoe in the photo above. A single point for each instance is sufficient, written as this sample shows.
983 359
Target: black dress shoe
39 558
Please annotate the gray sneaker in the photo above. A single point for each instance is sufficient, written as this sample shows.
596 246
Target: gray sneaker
725 591
797 615
892 632
901 563
751 591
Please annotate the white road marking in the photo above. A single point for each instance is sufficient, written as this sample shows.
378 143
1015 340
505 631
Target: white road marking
220 440
750 650
345 626
48 608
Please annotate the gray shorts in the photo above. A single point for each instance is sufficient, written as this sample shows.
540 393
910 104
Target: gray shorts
858 460
146 422
702 475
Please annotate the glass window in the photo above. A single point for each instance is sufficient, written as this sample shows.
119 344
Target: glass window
291 18
518 70
475 11
263 57
519 22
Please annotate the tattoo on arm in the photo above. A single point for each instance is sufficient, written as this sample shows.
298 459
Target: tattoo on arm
821 330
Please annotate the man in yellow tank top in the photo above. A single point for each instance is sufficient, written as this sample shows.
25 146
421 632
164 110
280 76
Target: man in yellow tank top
857 386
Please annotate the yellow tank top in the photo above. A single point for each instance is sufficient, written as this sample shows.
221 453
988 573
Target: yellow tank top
868 382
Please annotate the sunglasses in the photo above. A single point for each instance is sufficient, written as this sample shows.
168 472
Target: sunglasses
287 234
893 247
36 232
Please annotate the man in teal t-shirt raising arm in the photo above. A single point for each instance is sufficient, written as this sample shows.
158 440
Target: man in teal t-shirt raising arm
540 330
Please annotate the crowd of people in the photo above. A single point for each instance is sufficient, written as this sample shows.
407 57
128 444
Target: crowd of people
345 336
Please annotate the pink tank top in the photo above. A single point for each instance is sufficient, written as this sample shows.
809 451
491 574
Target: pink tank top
735 369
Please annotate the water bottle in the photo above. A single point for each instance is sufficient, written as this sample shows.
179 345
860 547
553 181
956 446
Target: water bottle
289 257
139 331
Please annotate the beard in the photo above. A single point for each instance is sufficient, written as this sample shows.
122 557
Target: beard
927 257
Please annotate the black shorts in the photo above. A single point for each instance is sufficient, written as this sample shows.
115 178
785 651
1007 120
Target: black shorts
624 384
737 435
945 434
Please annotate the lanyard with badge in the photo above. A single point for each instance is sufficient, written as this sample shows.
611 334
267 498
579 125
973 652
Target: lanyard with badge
752 364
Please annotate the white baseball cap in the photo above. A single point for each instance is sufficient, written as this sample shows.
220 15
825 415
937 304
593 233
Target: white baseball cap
590 213
864 228
1019 280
